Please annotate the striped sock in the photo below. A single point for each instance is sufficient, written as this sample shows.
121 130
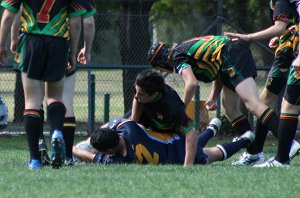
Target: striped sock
286 134
32 124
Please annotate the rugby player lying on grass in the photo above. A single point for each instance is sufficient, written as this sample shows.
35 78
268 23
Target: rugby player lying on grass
125 141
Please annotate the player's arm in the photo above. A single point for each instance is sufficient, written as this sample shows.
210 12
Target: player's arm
75 29
15 31
190 147
211 102
136 111
83 155
190 84
6 23
275 30
84 55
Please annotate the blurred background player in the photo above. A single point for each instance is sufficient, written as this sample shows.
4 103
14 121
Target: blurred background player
40 65
124 141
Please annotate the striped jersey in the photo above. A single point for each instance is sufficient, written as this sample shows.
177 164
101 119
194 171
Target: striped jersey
202 54
90 8
46 17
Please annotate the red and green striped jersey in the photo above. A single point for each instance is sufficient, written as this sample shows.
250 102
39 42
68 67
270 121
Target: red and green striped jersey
202 54
46 17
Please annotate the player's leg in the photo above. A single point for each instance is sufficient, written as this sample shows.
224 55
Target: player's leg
268 98
69 121
287 129
288 121
226 150
32 118
239 121
211 130
54 76
56 115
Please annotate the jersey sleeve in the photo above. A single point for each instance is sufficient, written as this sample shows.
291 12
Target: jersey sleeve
180 62
13 6
283 11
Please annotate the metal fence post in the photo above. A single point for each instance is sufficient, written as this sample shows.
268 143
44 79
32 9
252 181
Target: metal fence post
91 102
106 107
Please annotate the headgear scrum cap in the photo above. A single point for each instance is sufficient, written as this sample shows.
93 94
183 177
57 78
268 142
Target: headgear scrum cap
158 55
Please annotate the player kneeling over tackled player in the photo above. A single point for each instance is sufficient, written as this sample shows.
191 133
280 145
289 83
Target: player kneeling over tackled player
128 142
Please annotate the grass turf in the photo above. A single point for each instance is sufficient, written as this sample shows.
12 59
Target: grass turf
86 180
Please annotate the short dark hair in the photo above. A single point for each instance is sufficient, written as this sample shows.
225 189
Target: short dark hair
104 139
150 81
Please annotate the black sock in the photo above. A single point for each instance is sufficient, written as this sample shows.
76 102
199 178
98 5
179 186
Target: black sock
204 137
32 122
268 121
68 134
56 115
257 145
286 134
41 133
241 125
229 149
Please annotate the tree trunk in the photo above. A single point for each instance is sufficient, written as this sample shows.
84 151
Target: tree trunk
134 42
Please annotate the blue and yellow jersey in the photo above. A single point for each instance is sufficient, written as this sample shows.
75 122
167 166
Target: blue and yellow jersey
46 17
151 147
202 54
148 147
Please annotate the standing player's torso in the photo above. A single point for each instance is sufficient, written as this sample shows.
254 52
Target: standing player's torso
47 17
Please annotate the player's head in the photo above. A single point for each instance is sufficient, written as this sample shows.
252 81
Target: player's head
105 140
158 56
148 85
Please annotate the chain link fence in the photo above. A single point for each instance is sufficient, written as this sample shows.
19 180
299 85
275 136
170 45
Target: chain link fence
124 32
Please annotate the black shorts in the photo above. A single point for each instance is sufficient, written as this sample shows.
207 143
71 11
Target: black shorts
238 64
277 76
292 90
44 57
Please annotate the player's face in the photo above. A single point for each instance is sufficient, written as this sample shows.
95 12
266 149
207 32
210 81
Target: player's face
142 97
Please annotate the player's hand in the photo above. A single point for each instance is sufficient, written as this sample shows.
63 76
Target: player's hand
13 45
274 42
237 37
293 29
296 63
3 54
71 64
211 105
83 57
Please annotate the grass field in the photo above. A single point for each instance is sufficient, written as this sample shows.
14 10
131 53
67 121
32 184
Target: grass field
216 180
